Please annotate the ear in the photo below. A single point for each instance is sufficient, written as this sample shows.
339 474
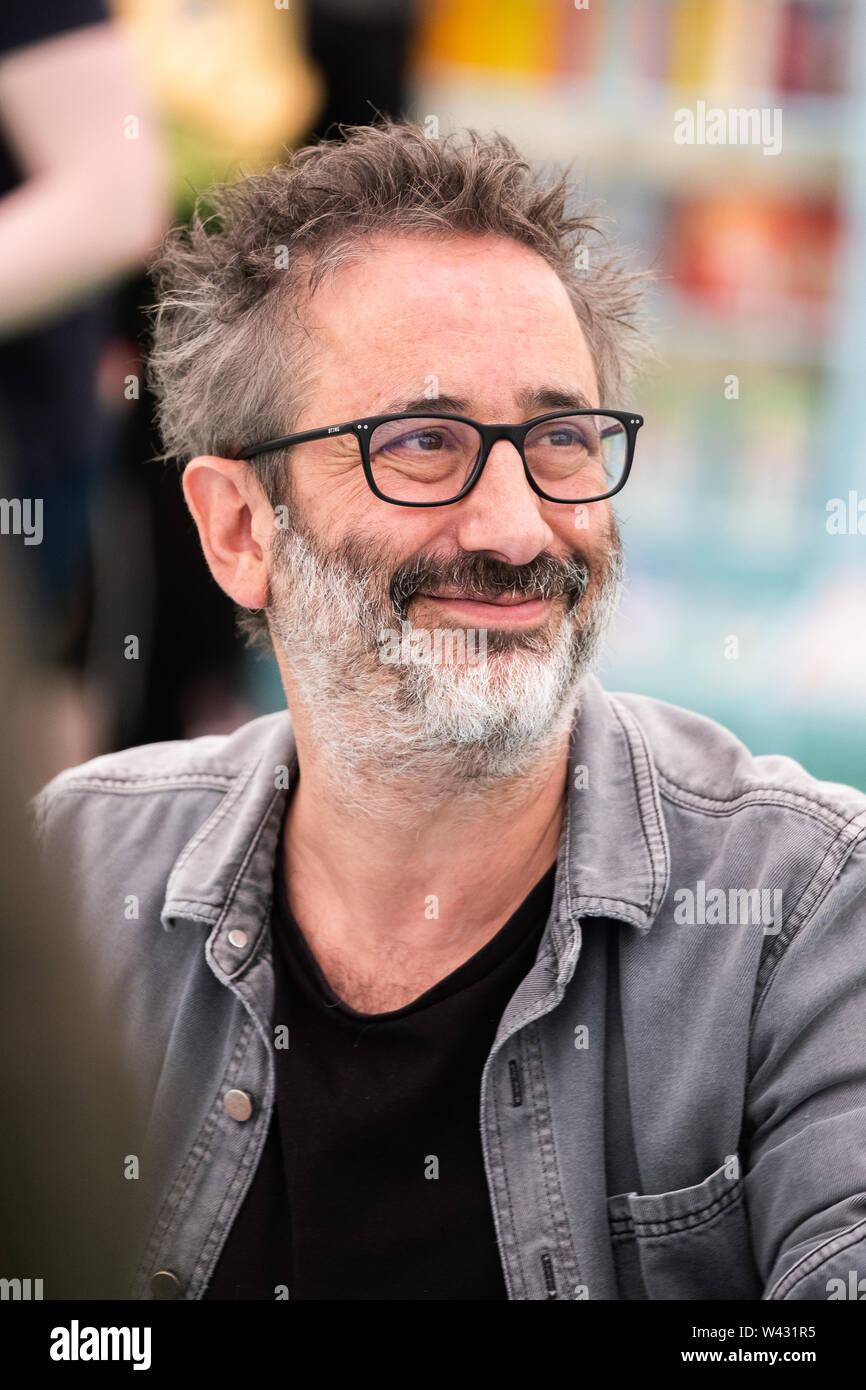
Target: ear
235 522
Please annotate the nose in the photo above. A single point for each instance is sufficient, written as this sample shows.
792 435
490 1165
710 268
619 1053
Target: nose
502 514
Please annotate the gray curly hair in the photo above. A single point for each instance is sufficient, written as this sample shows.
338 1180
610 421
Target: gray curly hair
230 360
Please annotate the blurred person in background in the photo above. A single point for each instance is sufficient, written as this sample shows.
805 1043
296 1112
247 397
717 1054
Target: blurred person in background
67 1092
237 86
362 49
82 201
460 977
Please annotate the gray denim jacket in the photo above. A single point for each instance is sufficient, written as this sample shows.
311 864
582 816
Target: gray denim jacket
674 1106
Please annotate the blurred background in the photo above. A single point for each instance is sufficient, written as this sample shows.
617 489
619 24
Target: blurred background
744 539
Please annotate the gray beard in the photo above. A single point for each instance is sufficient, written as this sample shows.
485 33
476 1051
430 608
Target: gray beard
420 727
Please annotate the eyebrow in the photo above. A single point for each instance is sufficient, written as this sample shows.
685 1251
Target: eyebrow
530 401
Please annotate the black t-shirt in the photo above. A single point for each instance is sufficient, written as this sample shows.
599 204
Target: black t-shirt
371 1184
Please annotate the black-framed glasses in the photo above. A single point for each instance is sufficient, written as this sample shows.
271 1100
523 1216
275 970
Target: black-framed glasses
434 459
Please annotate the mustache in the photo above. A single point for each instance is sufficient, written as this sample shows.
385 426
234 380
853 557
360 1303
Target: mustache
481 577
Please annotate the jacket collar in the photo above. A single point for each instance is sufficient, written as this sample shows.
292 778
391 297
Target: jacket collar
613 857
614 843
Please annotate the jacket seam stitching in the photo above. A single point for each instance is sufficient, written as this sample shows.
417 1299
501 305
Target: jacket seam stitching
217 814
240 1051
533 1010
584 902
259 830
638 797
200 912
674 1225
837 1242
568 899
642 786
153 782
757 796
549 1158
246 1163
505 1188
184 1176
801 917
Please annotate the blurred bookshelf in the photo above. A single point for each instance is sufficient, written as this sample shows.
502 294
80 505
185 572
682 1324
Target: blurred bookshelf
761 263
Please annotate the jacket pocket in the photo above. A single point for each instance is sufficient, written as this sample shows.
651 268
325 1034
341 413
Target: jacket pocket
688 1244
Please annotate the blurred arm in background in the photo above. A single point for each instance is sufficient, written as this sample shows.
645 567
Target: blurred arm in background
94 196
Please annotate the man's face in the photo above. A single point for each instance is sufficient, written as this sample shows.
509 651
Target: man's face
484 328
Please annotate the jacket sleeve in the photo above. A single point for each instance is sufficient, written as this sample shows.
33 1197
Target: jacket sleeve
806 1103
39 810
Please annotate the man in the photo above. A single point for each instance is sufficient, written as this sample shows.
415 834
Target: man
462 978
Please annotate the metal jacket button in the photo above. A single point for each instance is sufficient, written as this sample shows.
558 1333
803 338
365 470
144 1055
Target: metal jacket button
238 1104
164 1284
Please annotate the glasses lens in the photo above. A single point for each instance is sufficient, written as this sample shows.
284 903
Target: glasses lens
577 457
423 459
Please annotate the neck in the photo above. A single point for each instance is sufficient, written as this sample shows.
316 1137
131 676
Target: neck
408 891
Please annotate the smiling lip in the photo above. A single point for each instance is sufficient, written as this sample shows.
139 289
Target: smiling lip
506 608
503 600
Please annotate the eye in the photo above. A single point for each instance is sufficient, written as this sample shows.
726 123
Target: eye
424 440
427 439
562 436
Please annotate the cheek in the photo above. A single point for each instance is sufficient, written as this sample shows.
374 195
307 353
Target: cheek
335 504
585 528
349 509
